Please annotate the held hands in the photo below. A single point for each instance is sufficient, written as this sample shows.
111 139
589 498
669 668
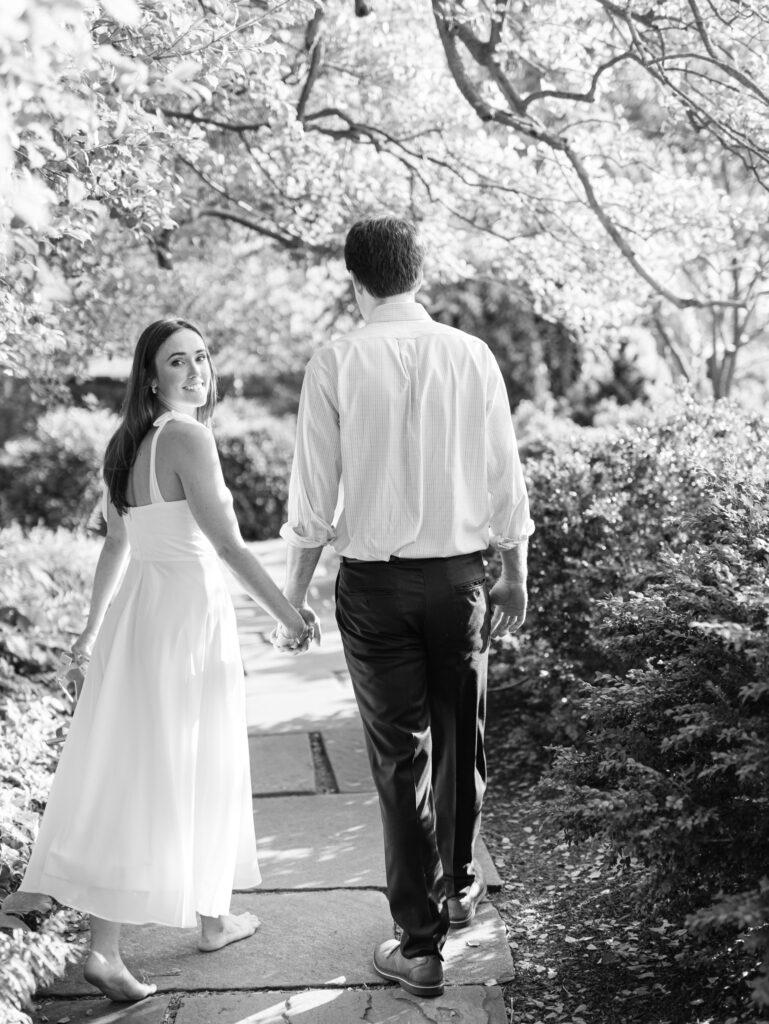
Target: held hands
82 647
509 602
74 666
294 643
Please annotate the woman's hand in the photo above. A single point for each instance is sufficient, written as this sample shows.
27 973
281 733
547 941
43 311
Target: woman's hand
82 647
291 641
75 665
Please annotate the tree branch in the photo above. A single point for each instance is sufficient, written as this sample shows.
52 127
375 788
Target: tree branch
227 126
649 19
379 138
623 245
315 45
498 16
449 32
655 62
579 97
293 242
484 110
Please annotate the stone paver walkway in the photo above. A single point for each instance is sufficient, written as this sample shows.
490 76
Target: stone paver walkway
321 902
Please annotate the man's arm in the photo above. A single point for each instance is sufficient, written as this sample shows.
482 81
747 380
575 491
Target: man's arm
314 486
508 595
300 567
510 521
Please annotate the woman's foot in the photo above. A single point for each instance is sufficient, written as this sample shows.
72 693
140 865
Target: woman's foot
218 932
115 980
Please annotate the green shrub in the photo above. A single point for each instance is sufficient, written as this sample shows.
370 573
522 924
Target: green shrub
29 960
672 769
608 503
53 477
45 579
256 451
45 584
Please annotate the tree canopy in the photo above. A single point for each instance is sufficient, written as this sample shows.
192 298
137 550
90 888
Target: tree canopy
606 163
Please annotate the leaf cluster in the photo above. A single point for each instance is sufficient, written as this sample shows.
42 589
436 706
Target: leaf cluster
255 450
652 548
43 582
53 476
608 502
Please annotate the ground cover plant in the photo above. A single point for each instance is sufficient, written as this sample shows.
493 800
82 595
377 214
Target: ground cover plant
673 770
45 578
643 690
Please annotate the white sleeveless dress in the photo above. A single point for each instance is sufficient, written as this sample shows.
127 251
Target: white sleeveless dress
149 817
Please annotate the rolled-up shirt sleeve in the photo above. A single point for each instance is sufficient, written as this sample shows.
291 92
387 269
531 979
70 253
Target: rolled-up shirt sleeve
316 469
509 519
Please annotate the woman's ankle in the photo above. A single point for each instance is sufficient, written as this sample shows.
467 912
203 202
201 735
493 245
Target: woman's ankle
106 960
211 925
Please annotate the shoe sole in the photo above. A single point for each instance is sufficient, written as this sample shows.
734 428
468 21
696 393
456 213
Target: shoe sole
424 991
463 922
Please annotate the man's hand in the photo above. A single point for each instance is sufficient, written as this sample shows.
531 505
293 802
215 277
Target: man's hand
293 645
509 602
311 619
281 641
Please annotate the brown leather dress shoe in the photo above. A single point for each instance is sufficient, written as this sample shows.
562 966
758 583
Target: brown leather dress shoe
463 906
419 975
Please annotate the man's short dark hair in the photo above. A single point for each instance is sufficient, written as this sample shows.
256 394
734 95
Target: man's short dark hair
385 254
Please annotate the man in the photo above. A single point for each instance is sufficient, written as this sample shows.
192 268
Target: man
412 418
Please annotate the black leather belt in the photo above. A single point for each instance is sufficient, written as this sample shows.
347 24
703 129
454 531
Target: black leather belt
370 561
397 558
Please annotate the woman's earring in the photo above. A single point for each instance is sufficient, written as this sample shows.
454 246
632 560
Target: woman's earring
154 389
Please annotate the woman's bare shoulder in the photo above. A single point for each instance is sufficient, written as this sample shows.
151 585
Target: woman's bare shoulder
186 428
186 437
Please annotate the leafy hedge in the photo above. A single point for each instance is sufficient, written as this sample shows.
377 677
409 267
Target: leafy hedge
256 450
45 580
649 573
608 503
53 477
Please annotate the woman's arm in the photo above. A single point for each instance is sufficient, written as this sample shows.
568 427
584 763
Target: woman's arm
196 461
109 571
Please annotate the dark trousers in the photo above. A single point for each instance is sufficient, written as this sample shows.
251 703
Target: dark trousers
416 635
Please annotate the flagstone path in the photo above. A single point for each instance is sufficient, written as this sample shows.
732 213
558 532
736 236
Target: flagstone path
321 902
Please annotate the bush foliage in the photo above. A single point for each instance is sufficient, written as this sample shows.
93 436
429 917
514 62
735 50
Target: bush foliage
45 580
256 450
53 478
608 503
649 575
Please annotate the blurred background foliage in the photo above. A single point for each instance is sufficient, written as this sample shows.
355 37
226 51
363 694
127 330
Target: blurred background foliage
596 199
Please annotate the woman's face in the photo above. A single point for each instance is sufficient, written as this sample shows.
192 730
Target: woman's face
182 371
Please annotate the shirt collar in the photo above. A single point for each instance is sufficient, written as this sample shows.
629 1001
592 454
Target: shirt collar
388 312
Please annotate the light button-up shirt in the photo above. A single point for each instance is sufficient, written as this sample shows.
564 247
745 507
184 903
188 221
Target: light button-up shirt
405 445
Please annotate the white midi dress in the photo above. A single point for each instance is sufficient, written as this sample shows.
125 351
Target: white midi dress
149 817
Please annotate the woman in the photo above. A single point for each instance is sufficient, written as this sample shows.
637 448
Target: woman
149 818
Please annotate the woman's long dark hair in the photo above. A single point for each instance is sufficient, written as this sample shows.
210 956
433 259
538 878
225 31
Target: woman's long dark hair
141 407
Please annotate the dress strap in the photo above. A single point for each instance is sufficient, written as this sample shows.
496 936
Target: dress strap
155 495
160 422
